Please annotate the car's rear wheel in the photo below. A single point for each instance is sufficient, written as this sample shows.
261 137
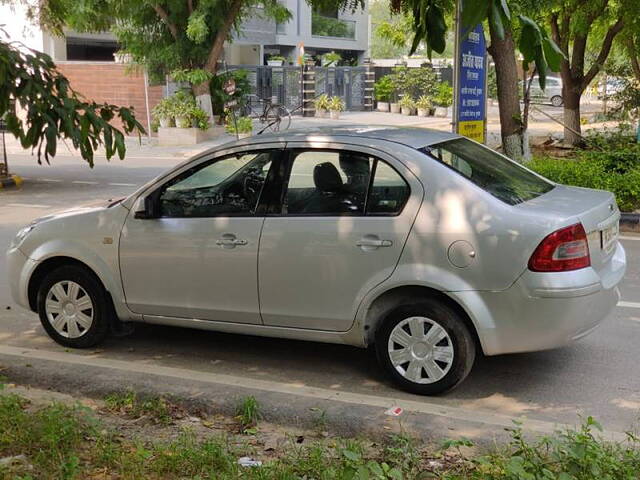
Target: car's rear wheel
426 347
73 307
556 101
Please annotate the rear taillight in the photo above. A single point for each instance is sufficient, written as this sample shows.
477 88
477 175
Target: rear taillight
563 250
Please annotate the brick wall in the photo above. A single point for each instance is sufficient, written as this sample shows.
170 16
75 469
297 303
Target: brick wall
111 83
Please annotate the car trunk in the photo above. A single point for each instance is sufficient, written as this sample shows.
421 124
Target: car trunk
595 209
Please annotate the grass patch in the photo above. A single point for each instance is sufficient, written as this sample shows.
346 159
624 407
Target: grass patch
155 408
248 414
62 442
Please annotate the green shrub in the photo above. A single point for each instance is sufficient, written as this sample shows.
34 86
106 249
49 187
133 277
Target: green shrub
617 172
383 89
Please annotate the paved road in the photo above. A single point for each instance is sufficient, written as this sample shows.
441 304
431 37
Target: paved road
597 376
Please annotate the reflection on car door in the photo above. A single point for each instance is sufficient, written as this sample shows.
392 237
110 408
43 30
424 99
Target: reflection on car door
338 235
199 259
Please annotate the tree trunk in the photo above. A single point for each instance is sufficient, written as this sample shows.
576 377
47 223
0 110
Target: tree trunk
504 56
571 96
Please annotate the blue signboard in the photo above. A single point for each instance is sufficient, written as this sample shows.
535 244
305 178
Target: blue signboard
472 63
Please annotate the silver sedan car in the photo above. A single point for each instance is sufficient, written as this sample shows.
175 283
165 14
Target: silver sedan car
424 244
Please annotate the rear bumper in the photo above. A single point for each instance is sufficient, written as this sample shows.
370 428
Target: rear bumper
545 310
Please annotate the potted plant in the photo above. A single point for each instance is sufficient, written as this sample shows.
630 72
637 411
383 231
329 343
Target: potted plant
424 105
275 60
182 111
336 105
322 105
382 90
199 118
331 59
407 105
163 112
241 127
443 99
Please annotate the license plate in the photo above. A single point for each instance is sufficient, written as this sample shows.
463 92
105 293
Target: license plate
608 238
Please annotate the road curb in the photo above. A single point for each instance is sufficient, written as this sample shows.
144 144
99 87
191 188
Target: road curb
11 181
630 222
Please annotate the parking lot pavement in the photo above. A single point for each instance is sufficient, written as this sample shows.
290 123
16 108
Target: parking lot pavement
596 376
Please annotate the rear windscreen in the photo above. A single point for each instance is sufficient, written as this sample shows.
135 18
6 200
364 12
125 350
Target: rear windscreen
494 173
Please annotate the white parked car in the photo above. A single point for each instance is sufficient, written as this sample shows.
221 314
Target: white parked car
552 92
422 243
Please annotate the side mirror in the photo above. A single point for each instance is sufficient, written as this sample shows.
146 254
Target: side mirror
146 208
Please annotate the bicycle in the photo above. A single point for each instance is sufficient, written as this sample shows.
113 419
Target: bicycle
277 117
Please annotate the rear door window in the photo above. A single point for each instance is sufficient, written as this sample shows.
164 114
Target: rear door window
494 173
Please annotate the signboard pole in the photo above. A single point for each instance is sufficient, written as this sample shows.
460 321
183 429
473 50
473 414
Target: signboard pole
456 68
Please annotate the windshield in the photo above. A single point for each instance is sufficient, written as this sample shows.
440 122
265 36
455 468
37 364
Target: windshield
497 175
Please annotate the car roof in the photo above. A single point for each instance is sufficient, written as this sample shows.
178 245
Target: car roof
365 135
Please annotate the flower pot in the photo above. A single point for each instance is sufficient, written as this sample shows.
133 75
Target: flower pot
383 106
423 112
441 112
165 121
244 135
394 108
335 114
406 111
321 113
183 122
274 63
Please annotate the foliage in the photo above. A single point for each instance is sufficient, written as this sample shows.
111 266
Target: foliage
322 102
239 125
163 109
424 102
336 104
276 58
383 88
199 118
414 81
627 100
52 111
129 403
181 107
194 77
330 27
615 171
492 84
407 102
331 59
444 95
219 97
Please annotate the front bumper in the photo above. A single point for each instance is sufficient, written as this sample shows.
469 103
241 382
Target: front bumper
19 270
545 310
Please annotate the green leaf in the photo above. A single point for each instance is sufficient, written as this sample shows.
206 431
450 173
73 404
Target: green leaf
495 19
473 12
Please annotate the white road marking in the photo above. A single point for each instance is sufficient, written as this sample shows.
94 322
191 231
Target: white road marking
28 205
629 304
84 182
123 184
48 180
422 406
627 237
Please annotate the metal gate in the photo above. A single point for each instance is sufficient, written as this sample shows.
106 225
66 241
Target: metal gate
344 82
282 84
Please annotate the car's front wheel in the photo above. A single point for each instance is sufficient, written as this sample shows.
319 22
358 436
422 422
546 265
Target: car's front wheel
73 307
425 347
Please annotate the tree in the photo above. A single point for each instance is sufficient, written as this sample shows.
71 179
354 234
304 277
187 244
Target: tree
534 44
572 22
52 110
169 35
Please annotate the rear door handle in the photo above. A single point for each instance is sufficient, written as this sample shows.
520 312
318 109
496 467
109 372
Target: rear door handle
373 242
229 240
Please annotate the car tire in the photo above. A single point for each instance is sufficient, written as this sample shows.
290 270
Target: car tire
73 307
557 101
439 349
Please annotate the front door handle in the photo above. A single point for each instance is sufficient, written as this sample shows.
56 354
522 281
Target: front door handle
229 240
369 242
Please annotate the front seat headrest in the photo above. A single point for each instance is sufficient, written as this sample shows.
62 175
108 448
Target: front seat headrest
327 178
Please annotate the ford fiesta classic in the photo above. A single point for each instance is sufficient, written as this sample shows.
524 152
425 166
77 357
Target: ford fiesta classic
424 244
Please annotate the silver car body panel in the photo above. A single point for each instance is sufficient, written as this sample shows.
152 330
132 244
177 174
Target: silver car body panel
511 308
